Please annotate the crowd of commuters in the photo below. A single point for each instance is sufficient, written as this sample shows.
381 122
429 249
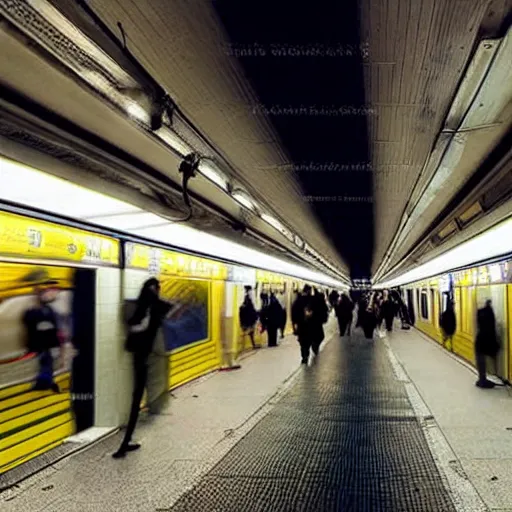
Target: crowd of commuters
376 312
310 311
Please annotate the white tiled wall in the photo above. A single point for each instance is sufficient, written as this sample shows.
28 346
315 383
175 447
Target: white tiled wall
109 353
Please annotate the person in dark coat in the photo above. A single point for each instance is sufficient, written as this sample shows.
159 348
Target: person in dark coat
272 317
344 314
248 317
361 308
369 318
284 317
334 298
43 335
143 326
448 322
320 317
304 323
388 311
486 343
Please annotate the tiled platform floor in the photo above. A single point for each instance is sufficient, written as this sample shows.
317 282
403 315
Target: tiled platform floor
477 423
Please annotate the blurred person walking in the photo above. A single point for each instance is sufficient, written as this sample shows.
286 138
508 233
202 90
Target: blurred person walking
144 324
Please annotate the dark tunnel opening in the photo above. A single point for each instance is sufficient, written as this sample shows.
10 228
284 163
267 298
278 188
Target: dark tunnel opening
306 66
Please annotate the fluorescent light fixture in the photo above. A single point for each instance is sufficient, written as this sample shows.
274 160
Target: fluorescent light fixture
69 30
242 198
209 170
128 222
36 189
277 225
490 244
23 185
174 141
273 222
473 79
137 112
447 166
495 92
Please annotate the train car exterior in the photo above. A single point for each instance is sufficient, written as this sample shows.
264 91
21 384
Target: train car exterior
97 278
469 289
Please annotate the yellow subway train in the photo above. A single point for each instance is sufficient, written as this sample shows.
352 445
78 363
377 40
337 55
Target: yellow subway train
470 289
96 277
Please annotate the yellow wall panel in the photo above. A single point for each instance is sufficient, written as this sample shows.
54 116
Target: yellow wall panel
509 323
30 447
25 237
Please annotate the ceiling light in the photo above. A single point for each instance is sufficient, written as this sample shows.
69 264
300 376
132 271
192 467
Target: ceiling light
54 194
174 141
209 170
243 199
277 225
135 111
494 93
273 222
471 82
298 241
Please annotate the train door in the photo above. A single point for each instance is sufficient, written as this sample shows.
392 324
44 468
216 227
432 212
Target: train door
47 329
410 306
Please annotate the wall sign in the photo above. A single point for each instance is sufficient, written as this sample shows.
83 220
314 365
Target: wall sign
162 261
242 275
25 237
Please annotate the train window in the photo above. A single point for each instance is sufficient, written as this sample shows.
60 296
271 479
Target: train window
432 305
444 302
424 305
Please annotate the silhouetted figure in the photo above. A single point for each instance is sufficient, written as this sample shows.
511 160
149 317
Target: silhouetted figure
143 327
305 323
334 298
369 318
272 317
284 318
248 317
388 311
448 322
320 317
343 310
486 343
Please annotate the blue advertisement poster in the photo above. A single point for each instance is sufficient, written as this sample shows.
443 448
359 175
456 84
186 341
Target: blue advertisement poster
189 320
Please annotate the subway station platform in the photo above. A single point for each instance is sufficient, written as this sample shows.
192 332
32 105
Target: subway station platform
383 425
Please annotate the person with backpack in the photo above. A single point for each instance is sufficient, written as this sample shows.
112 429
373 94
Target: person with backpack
143 326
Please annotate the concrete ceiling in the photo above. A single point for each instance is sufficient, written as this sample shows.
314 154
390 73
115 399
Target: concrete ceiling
341 178
403 59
